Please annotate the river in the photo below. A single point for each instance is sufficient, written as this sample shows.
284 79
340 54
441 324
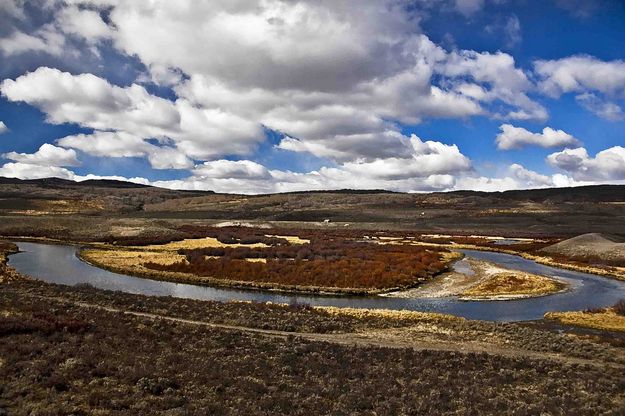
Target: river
59 264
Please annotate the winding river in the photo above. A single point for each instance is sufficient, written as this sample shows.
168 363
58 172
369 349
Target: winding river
59 264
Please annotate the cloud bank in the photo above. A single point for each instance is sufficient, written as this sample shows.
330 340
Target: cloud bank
333 82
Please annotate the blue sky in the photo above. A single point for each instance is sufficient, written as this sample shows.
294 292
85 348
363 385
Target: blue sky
272 96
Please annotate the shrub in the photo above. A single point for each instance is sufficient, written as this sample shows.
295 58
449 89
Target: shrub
327 261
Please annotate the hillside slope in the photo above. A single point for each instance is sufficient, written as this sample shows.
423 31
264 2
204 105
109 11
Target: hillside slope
591 246
564 212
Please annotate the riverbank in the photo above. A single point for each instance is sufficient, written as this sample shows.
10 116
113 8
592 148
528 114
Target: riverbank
474 280
617 273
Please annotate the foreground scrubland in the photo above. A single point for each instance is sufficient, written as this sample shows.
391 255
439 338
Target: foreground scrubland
60 357
80 350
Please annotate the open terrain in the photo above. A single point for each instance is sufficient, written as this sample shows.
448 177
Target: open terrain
80 350
591 248
127 211
84 351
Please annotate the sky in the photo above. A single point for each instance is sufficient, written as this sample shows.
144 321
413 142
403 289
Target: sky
264 96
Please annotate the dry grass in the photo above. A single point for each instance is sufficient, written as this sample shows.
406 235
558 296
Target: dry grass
607 319
62 206
292 239
502 283
189 244
128 259
404 316
450 256
257 260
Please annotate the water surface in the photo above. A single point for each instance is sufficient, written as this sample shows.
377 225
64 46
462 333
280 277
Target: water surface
59 264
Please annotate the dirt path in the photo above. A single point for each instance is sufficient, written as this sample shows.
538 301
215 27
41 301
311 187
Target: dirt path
373 338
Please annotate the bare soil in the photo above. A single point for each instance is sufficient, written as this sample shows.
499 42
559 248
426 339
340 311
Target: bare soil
484 281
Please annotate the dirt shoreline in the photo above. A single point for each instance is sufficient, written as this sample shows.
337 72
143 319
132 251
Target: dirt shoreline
466 287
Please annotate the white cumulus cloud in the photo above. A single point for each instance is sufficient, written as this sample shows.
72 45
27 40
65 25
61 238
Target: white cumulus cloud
47 155
580 74
121 144
93 102
30 171
602 108
512 137
606 165
85 23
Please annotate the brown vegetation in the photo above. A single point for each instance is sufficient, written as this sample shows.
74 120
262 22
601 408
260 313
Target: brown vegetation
63 353
322 263
114 363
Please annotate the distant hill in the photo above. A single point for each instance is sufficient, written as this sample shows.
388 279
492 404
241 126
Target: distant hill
592 193
605 247
61 196
58 182
562 212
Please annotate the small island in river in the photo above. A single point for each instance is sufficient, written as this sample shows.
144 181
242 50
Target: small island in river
473 279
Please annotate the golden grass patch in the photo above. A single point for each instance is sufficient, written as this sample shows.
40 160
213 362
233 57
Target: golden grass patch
189 244
500 282
62 206
128 259
292 239
451 256
256 260
606 320
511 283
403 315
